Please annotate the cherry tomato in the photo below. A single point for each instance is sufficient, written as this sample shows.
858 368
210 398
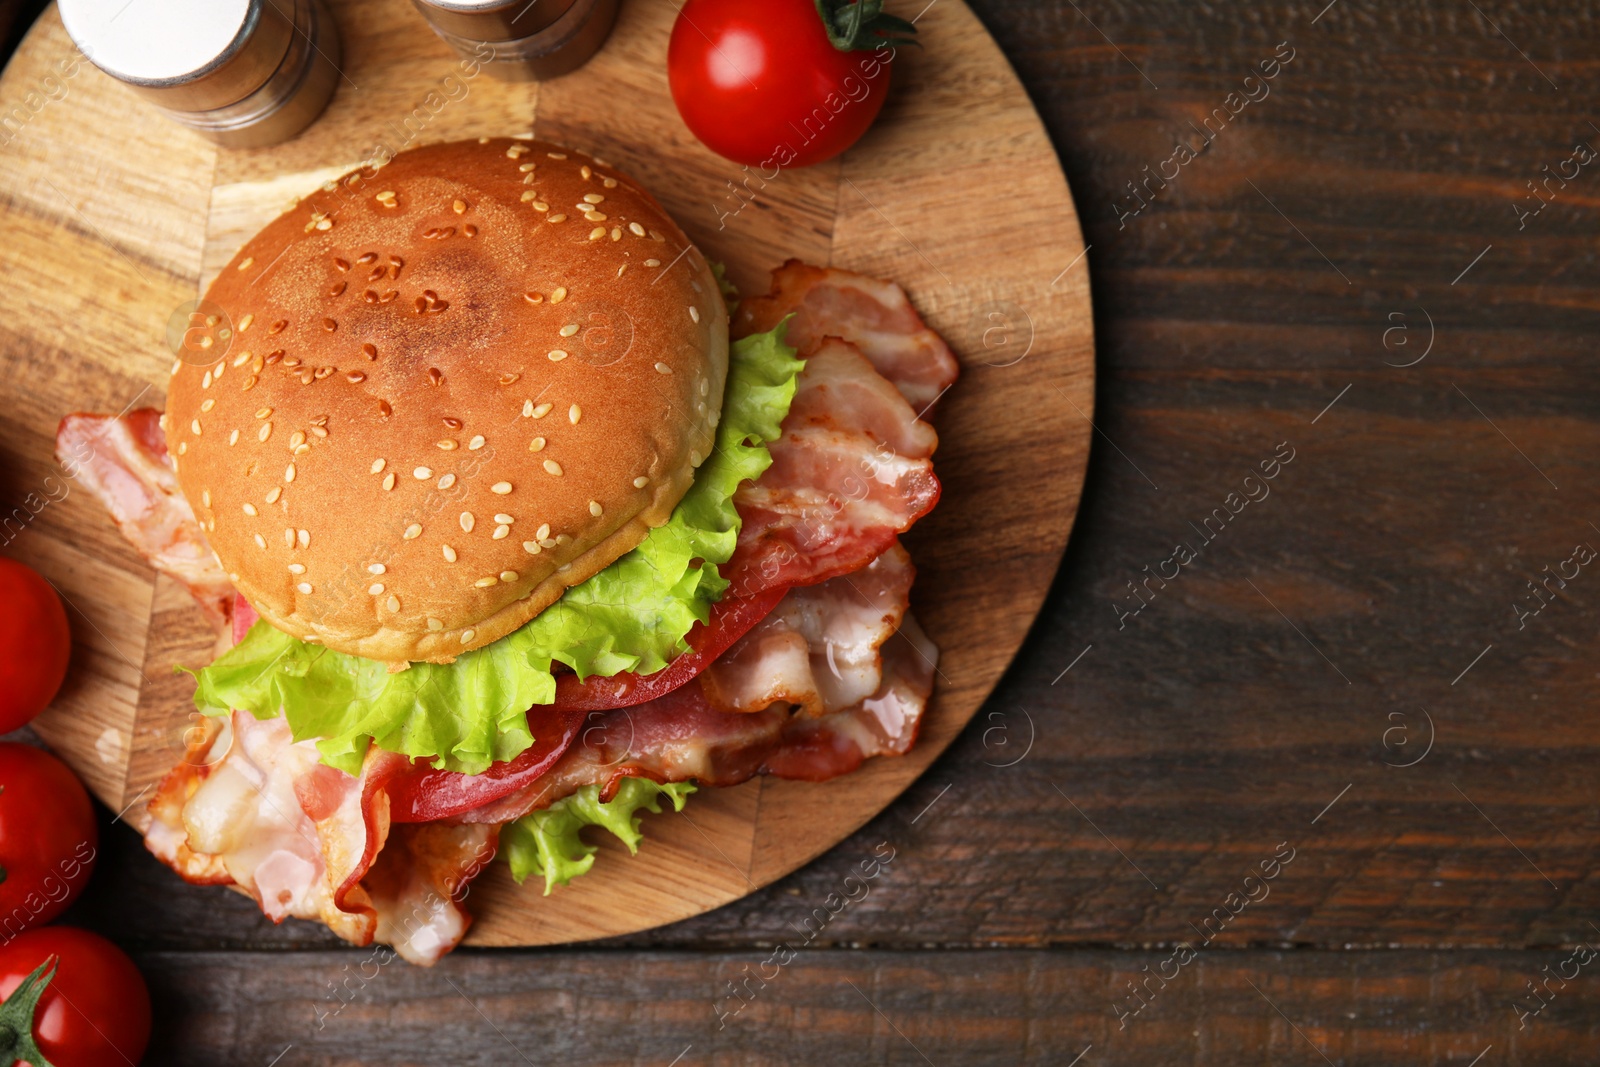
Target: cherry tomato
95 1012
47 837
765 84
34 644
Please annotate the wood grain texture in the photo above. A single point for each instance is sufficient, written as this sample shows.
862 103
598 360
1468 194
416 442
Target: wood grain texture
933 155
997 1009
1208 730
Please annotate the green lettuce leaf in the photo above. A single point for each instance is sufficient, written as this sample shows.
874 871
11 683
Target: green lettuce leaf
548 841
632 616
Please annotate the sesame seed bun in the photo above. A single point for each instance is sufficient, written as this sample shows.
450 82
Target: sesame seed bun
457 384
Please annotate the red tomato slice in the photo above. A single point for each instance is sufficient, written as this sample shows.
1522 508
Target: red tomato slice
731 619
422 794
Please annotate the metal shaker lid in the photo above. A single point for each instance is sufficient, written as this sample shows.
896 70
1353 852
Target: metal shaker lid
493 20
191 55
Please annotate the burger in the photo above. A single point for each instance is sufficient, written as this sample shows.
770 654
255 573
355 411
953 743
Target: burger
510 530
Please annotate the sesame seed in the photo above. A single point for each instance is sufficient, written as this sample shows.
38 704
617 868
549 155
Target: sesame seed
265 431
194 427
244 323
467 521
532 297
569 329
288 538
529 194
183 447
375 588
233 438
205 498
262 413
370 351
558 294
552 467
541 206
301 450
434 624
574 413
305 538
468 635
500 488
621 269
595 509
297 439
378 465
557 355
388 481
541 411
655 235
635 229
249 509
652 263
597 233
543 532
304 587
501 531
261 542
413 531
640 482
274 493
509 378
484 583
393 604
663 368
288 473
587 174
447 445
527 409
460 207
694 313
609 183
524 168
536 445
355 377
592 198
616 232
297 568
557 155
695 457
555 218
447 481
531 548
422 474
508 576
475 444
246 262
504 518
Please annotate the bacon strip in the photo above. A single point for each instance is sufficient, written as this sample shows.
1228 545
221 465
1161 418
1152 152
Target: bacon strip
874 315
682 737
252 808
852 471
124 463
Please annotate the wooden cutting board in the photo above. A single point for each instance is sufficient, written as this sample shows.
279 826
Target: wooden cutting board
111 217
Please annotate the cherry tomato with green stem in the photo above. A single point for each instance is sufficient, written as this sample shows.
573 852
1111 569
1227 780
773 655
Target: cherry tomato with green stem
782 83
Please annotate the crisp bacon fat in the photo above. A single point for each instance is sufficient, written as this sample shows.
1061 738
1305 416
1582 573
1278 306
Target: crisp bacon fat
124 463
873 315
837 673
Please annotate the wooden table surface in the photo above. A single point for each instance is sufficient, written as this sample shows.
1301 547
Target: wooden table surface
1350 685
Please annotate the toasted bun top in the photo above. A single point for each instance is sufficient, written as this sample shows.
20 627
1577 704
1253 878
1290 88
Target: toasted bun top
456 385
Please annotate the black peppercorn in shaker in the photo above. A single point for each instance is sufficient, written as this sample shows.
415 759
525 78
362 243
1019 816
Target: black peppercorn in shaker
525 40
